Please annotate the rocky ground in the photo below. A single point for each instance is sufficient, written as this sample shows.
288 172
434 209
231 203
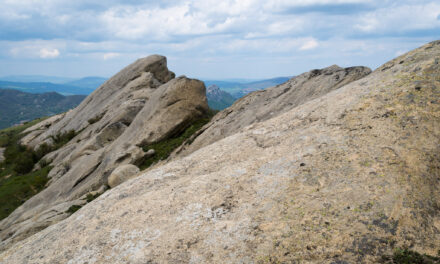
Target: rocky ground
343 178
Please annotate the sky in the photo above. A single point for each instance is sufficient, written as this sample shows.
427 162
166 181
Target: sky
209 39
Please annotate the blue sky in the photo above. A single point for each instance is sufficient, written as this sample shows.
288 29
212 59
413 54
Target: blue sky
209 39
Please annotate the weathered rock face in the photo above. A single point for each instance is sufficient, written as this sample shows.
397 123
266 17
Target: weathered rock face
343 178
142 104
265 104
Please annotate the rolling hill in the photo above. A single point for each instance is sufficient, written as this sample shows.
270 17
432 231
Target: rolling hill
17 107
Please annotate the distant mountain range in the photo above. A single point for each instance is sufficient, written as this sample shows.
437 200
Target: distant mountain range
36 78
43 84
88 82
70 86
44 87
239 89
17 107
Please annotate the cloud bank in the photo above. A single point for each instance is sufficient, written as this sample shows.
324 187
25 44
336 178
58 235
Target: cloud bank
209 39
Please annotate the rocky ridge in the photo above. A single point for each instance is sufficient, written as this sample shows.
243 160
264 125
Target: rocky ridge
342 178
265 104
140 105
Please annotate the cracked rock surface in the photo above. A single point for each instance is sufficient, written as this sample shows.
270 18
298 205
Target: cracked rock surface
342 178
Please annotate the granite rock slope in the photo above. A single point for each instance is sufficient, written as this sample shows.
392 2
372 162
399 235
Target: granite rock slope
343 178
140 105
265 104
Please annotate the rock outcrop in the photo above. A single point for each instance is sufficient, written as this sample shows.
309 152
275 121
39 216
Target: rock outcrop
140 105
342 178
122 174
265 104
2 157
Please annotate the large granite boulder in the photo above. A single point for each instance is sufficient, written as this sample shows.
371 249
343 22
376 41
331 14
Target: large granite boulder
140 105
343 178
122 174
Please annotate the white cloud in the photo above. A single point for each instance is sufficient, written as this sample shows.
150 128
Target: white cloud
110 55
309 44
119 31
49 53
400 18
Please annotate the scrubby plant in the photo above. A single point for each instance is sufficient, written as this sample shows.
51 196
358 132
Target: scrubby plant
90 197
24 163
72 209
407 256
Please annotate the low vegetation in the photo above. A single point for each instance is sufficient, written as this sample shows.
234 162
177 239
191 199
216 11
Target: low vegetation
165 147
18 182
72 209
406 256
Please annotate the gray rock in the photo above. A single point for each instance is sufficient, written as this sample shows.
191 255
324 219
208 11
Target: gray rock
140 105
122 174
36 130
150 152
343 178
265 104
2 157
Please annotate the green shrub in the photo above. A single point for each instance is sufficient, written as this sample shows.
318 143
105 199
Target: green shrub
73 209
90 197
406 256
42 150
24 163
62 139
